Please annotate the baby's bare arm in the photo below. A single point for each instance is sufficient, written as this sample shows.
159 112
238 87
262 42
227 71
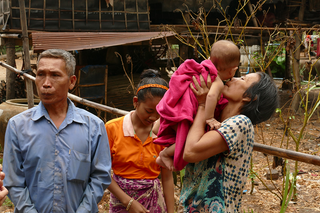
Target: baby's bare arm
165 158
212 97
155 128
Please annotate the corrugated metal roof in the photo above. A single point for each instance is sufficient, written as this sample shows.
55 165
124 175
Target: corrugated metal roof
89 40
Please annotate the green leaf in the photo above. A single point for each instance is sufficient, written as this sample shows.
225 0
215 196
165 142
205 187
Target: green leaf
182 173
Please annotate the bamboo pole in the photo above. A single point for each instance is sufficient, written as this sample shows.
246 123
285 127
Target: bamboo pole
27 66
12 35
288 154
284 153
71 96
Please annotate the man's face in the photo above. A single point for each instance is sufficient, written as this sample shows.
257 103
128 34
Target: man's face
53 82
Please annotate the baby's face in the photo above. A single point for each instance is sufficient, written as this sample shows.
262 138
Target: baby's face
233 71
228 73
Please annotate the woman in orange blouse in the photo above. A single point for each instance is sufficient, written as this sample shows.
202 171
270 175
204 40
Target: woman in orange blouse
135 186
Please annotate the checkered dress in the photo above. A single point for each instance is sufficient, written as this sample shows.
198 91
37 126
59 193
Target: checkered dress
216 184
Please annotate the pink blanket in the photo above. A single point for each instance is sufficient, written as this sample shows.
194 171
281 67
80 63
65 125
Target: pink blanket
179 106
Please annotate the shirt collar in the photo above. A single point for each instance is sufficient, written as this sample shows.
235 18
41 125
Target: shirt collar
72 114
128 127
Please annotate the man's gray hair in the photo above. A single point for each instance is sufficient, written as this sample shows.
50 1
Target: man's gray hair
64 55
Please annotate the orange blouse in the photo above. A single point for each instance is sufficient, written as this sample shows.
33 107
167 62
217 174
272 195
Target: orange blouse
130 158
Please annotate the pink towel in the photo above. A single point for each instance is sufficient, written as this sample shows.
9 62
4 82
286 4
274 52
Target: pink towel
179 106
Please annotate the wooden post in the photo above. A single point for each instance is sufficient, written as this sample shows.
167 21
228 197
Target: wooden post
27 66
254 19
302 9
296 71
296 60
183 52
105 91
10 76
287 85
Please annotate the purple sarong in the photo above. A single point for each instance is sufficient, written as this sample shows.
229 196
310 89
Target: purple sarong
147 192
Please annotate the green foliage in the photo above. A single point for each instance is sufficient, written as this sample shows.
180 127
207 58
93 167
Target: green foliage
8 203
251 211
175 179
278 66
182 173
288 189
277 54
3 49
106 205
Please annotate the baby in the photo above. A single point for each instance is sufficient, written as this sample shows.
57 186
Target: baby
178 107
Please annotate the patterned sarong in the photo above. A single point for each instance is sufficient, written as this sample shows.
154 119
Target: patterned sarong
146 192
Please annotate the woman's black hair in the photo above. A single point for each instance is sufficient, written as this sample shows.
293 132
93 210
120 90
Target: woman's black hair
150 76
264 99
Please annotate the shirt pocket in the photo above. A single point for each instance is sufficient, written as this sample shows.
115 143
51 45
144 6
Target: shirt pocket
150 159
79 166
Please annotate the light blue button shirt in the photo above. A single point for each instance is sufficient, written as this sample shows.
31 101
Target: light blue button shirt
56 170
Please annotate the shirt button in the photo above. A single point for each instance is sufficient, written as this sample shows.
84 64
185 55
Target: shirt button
55 204
57 152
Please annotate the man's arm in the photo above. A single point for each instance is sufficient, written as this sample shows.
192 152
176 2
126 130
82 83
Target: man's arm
15 176
100 176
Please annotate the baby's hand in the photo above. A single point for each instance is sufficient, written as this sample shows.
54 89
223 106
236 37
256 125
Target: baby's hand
213 123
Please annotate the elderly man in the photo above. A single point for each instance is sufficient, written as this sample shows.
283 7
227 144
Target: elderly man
56 156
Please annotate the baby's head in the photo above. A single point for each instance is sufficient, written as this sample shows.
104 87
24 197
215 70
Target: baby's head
225 55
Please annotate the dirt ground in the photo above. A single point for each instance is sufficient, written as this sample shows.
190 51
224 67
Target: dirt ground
308 181
261 199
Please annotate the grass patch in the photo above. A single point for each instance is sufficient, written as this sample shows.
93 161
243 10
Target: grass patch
8 203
